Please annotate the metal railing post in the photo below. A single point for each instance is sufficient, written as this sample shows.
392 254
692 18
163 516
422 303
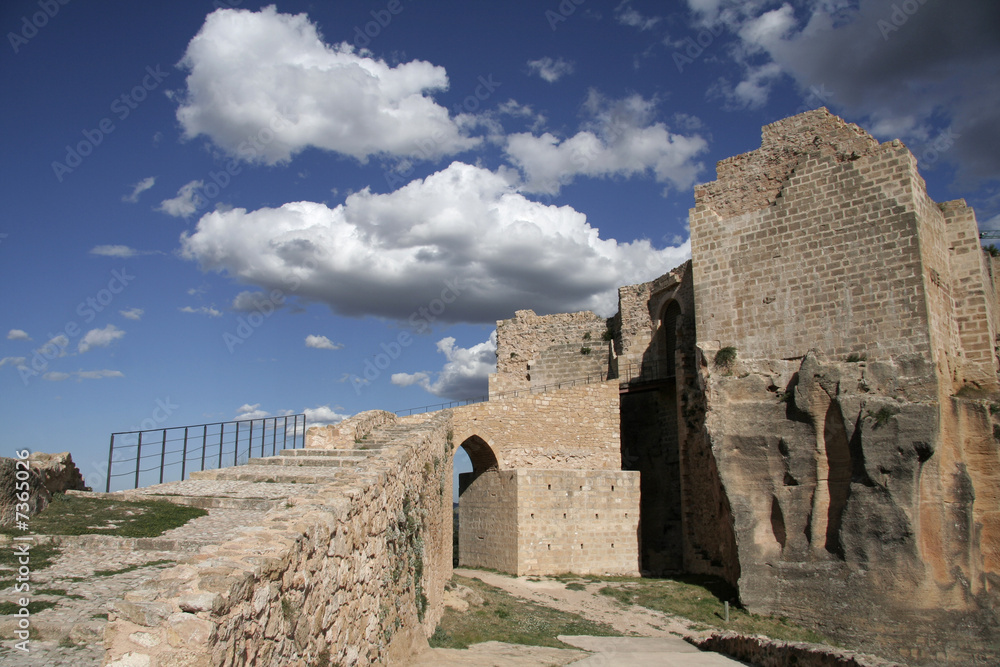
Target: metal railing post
204 444
163 454
138 459
236 446
274 437
222 430
111 458
184 454
249 441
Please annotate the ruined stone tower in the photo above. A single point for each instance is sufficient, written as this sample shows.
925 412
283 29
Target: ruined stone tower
810 400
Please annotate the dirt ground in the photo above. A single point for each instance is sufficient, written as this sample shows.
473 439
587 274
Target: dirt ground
631 621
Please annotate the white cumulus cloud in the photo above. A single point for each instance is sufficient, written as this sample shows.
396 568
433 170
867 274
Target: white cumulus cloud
264 86
322 343
550 69
18 334
628 15
139 188
462 244
620 140
132 313
464 374
186 203
99 338
57 376
114 251
323 415
13 361
247 411
211 311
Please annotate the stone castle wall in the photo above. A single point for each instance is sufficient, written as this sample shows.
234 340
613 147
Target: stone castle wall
534 351
532 521
833 264
859 495
575 427
353 574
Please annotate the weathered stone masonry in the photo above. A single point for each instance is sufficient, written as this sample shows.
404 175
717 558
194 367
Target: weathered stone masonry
841 469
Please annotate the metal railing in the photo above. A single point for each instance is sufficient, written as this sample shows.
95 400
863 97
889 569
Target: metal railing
644 371
182 449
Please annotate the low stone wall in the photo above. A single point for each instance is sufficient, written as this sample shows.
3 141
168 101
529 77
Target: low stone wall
348 433
48 474
350 573
765 652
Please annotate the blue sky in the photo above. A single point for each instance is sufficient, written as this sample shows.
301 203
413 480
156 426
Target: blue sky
231 209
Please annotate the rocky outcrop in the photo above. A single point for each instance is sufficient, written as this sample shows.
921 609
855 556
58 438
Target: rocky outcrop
853 500
48 474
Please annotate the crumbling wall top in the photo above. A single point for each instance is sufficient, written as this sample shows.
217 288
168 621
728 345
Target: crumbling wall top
752 180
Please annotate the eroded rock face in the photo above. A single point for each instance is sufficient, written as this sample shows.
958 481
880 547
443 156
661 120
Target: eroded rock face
48 475
854 499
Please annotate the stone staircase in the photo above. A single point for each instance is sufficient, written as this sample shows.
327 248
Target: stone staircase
97 570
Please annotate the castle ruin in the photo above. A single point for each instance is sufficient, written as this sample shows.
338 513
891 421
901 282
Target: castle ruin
805 408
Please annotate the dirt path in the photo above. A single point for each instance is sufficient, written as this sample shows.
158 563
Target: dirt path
633 621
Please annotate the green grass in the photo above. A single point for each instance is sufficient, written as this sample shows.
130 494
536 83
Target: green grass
724 358
79 515
58 592
700 599
130 568
575 586
35 606
506 618
41 556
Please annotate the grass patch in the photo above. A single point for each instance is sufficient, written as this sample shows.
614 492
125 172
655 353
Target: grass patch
41 556
505 618
79 515
575 586
58 592
130 568
35 606
725 358
700 599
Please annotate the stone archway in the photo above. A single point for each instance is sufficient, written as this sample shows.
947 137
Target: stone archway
482 457
486 514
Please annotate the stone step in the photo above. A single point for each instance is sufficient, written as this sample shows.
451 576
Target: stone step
112 543
328 452
275 474
307 461
201 501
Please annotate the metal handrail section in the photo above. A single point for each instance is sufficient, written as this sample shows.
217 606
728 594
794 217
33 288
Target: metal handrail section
201 447
649 370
